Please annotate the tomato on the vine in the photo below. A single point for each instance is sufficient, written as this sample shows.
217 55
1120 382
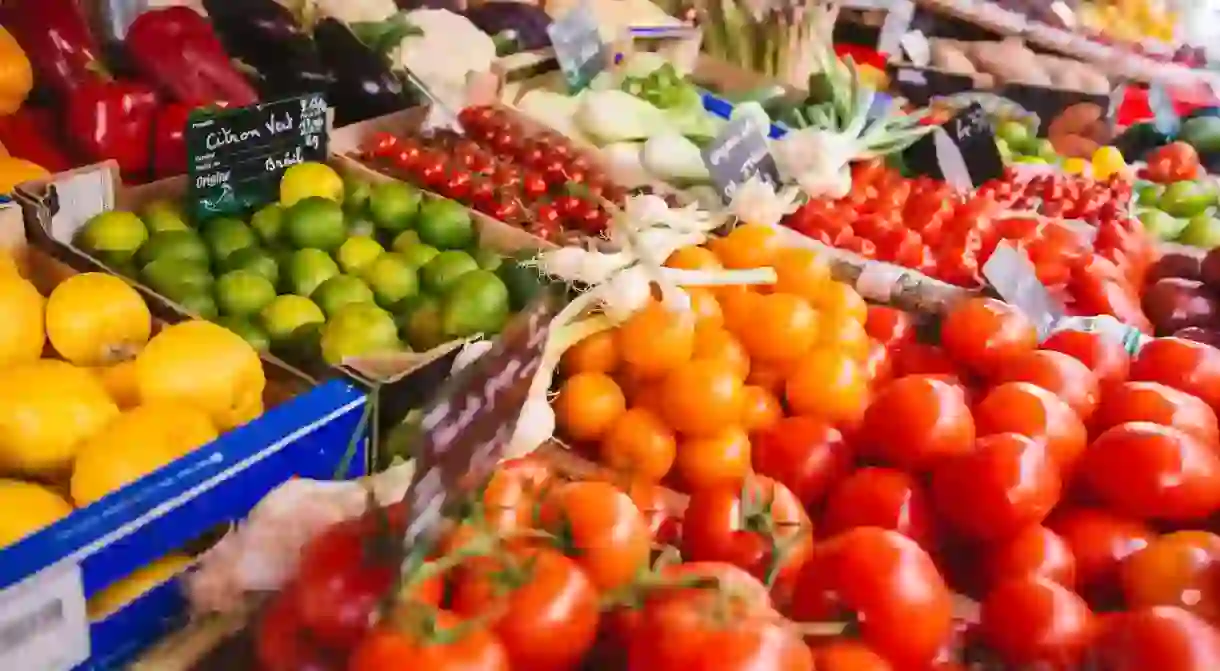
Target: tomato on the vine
881 497
917 420
281 642
1033 551
1162 637
1100 541
1177 569
981 333
806 454
602 528
438 642
1033 620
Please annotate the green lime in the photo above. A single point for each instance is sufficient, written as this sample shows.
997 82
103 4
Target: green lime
422 327
303 344
446 267
487 259
393 206
341 290
476 302
310 180
358 252
176 279
357 193
286 314
1014 133
523 281
1202 231
199 304
114 237
418 255
409 238
255 260
306 269
1161 225
243 292
165 215
317 223
445 224
248 330
360 227
227 235
392 279
268 222
174 245
359 329
1187 198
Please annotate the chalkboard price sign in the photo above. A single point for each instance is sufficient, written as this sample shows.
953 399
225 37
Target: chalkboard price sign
235 157
579 48
963 151
737 154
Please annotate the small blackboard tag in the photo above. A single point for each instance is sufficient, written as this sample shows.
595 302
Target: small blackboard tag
235 157
1012 275
965 141
579 48
739 153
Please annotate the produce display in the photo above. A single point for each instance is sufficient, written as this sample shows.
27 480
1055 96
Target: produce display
1183 298
1011 62
1176 202
337 268
1200 130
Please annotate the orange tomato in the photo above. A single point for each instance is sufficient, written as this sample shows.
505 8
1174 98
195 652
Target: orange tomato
878 365
783 327
588 404
801 272
647 395
768 376
747 246
840 299
639 444
760 409
596 354
845 335
656 339
829 385
716 344
705 306
737 306
714 461
701 398
693 258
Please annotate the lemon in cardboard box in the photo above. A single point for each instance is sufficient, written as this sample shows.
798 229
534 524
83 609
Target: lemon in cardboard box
21 312
339 291
242 293
227 235
95 319
175 246
28 508
357 252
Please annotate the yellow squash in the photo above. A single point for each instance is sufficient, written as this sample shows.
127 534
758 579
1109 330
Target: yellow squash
95 319
16 75
21 311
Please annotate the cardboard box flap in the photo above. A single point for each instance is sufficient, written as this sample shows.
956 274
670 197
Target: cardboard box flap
63 203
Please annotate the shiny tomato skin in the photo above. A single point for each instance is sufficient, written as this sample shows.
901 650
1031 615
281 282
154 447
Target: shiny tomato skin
808 455
609 536
281 642
680 634
915 421
892 585
881 497
982 332
475 649
1104 356
1005 484
1056 372
1164 638
1100 541
849 655
889 326
547 618
513 491
1160 404
1182 364
916 358
1033 412
1033 620
1033 551
1150 471
1178 569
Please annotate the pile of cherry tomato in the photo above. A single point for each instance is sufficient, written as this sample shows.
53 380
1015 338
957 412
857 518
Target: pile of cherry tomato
535 180
1093 265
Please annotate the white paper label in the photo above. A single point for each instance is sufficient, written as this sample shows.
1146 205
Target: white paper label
952 163
43 622
1013 277
896 24
916 46
80 196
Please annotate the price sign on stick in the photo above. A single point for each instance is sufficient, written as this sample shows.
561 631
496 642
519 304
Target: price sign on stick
962 152
579 48
1013 277
465 429
739 153
235 157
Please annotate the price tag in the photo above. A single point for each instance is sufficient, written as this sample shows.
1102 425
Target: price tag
916 46
579 48
1164 115
896 24
465 429
43 621
1013 277
235 157
963 151
739 153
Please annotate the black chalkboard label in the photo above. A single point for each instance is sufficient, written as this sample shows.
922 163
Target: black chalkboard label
235 157
579 48
965 143
737 154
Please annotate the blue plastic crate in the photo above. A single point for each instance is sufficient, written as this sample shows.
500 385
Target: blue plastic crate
306 436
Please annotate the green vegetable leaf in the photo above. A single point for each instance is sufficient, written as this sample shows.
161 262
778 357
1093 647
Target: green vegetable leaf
383 36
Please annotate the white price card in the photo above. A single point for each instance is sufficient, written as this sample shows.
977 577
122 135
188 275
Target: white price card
1012 275
43 622
915 44
896 24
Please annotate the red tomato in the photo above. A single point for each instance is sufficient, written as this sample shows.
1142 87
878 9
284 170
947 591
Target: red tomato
1151 471
437 647
1178 569
915 358
1174 162
540 603
1100 541
512 493
805 454
889 325
1162 638
849 656
607 534
1033 551
746 526
1056 372
653 502
1182 364
904 609
884 498
281 642
982 332
1033 412
1034 620
1159 404
1005 484
917 420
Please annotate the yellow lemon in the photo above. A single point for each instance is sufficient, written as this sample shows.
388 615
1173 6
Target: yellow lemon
1108 161
142 580
28 507
21 313
1075 166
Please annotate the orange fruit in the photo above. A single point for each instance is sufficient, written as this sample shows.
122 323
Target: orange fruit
845 335
714 461
693 258
705 306
639 444
802 272
769 376
747 246
782 328
829 385
596 354
701 398
588 404
655 339
737 306
840 299
760 409
716 344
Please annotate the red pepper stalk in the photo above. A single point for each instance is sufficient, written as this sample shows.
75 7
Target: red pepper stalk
175 49
55 36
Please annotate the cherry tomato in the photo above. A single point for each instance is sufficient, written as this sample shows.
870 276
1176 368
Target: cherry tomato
1177 569
884 498
1032 551
1100 542
805 454
1151 471
606 533
1182 364
281 642
761 528
476 116
655 504
1163 638
506 209
1033 412
515 488
1057 373
381 145
457 185
534 185
917 420
1032 620
1159 404
849 656
904 609
981 333
438 646
540 604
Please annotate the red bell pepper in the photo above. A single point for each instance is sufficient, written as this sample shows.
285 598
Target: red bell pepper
55 36
113 119
29 134
169 139
176 49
